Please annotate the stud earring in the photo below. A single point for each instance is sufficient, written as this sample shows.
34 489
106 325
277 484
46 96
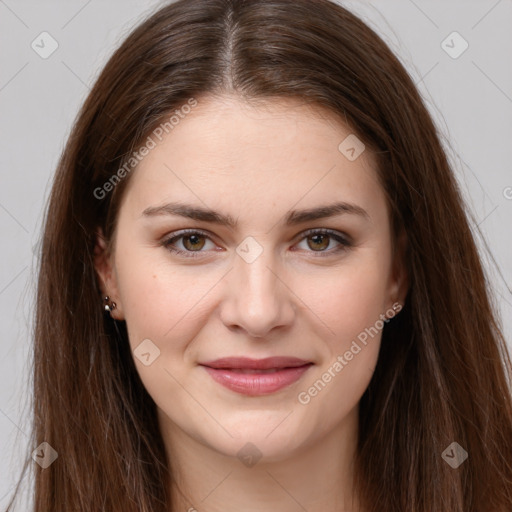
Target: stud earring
109 305
396 308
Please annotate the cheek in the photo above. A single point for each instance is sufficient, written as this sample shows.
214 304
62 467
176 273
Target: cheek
351 305
349 302
161 307
161 301
348 299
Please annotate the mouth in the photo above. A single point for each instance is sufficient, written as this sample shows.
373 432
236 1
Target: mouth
256 377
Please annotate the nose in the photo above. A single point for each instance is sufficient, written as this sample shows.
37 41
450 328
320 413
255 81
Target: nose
258 300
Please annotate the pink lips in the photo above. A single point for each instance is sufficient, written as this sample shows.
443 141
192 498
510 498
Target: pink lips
256 376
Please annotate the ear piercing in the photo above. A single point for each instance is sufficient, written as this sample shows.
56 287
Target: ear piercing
391 313
109 305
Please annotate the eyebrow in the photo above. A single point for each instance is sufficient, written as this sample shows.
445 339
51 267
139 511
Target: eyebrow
292 218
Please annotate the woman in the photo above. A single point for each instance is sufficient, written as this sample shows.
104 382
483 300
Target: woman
258 287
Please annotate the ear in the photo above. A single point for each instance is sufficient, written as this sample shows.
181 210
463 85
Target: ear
105 269
399 285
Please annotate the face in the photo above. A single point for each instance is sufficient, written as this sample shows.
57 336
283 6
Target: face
275 283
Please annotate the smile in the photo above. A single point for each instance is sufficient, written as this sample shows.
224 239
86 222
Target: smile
254 378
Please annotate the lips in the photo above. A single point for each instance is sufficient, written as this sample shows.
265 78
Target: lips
256 376
245 363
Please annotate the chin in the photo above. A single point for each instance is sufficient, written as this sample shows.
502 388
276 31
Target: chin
266 439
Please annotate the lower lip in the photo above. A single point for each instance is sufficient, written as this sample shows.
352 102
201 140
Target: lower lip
255 384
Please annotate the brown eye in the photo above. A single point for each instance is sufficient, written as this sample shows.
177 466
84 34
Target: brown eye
318 241
193 242
188 243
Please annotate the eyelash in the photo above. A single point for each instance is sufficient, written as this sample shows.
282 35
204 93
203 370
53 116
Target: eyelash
343 241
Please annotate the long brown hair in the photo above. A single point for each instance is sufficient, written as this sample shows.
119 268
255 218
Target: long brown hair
443 370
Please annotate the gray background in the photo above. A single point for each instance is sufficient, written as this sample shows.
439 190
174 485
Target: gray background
470 98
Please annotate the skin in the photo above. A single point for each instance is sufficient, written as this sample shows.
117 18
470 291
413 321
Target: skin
254 163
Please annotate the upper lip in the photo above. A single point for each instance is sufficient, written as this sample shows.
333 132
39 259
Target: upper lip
256 364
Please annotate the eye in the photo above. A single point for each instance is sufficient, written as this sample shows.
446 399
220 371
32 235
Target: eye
193 241
319 239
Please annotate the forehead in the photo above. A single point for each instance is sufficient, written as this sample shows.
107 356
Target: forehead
245 157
